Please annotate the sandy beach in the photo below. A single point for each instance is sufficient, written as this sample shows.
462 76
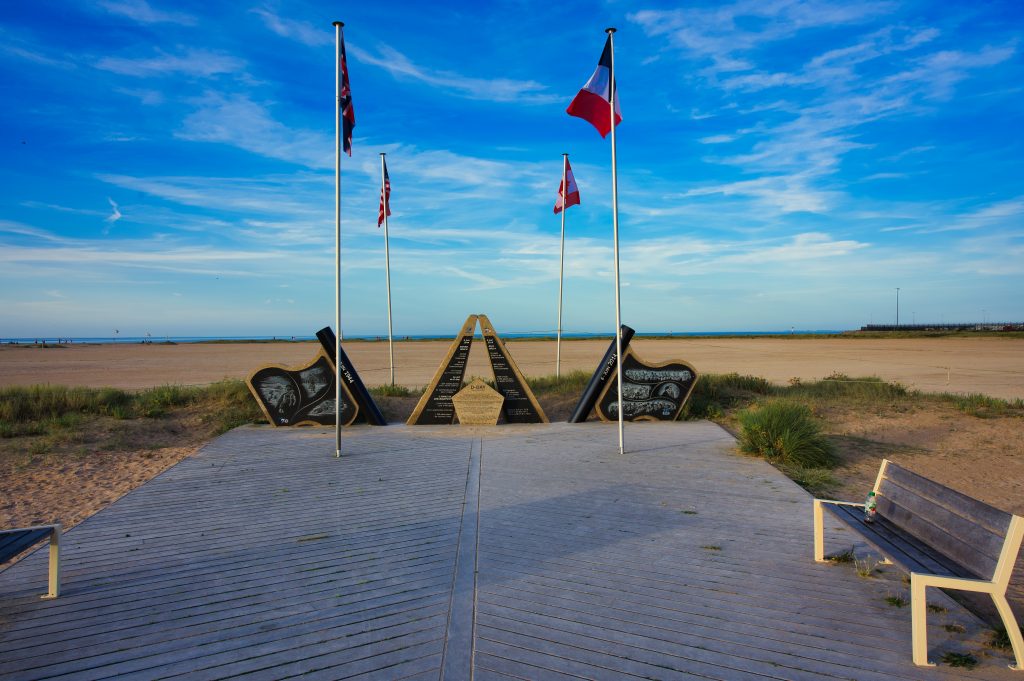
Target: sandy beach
991 366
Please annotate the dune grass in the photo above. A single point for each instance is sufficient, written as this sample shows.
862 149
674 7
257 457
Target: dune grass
785 432
45 409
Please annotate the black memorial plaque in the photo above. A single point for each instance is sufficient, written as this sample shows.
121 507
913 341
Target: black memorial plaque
651 392
605 371
350 378
520 405
435 407
293 397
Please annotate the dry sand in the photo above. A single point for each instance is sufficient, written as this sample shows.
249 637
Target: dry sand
991 366
981 457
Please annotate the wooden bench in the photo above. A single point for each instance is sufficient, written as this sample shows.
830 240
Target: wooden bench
13 542
944 539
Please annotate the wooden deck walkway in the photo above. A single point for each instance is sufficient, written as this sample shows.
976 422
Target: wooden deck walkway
450 553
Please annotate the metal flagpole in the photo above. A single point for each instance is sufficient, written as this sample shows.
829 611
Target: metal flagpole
561 269
615 229
337 237
387 262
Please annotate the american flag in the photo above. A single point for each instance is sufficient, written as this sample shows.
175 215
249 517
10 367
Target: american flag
348 114
385 198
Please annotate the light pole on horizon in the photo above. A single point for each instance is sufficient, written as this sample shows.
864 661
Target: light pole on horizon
897 306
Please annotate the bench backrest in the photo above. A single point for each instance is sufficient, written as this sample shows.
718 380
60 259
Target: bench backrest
967 530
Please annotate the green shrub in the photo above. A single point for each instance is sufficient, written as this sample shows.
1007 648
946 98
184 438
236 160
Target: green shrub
715 394
785 432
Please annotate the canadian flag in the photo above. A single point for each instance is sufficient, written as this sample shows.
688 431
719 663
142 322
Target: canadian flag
570 197
591 104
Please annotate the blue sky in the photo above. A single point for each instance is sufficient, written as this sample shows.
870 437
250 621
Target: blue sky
168 168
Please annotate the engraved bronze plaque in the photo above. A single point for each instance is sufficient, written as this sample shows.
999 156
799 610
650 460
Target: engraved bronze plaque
478 404
301 396
651 391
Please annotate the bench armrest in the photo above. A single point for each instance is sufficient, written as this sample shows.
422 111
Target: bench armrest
839 503
32 528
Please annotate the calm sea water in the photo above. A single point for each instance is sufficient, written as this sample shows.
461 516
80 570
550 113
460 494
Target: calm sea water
122 340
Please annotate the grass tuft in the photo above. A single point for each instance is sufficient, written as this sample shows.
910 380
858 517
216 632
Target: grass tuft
785 432
965 660
571 382
1000 639
846 556
390 391
51 410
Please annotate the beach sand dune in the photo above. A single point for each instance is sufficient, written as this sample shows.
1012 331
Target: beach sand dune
990 365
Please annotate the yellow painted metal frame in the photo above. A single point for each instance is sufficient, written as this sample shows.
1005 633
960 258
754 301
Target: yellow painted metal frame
55 568
919 582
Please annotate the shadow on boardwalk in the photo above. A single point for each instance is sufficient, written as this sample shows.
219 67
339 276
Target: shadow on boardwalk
264 557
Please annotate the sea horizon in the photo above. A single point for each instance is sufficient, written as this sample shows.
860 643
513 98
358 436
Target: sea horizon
520 335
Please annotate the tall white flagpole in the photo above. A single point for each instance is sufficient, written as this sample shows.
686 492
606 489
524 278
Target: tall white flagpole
387 264
337 237
561 269
615 229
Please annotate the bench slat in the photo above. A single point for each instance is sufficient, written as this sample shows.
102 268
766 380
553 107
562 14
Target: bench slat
910 555
990 517
898 547
13 543
964 543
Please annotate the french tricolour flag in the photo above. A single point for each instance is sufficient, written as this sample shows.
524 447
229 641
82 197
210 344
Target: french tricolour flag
591 104
570 197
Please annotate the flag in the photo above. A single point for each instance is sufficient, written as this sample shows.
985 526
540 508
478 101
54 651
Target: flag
591 104
348 114
571 197
385 197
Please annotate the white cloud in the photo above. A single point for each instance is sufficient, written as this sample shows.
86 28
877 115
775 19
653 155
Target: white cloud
1005 214
489 89
192 62
243 123
144 13
301 31
115 214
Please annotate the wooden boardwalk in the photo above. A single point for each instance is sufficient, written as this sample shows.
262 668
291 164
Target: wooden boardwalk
531 552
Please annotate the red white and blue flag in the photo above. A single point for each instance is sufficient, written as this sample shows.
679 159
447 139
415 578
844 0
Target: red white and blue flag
591 104
570 197
385 197
348 114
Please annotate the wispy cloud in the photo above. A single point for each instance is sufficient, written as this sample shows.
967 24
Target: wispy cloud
301 31
191 62
115 214
239 121
144 13
489 89
1008 213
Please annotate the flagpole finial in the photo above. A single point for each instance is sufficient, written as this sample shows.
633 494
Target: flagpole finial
565 153
610 30
341 24
383 153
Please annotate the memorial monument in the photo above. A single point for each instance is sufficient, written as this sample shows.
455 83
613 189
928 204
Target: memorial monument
305 395
652 391
519 403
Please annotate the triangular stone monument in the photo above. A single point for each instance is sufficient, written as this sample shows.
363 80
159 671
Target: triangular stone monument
435 406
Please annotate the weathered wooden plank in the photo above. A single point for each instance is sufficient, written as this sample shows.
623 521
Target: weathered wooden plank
993 519
457 658
589 548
